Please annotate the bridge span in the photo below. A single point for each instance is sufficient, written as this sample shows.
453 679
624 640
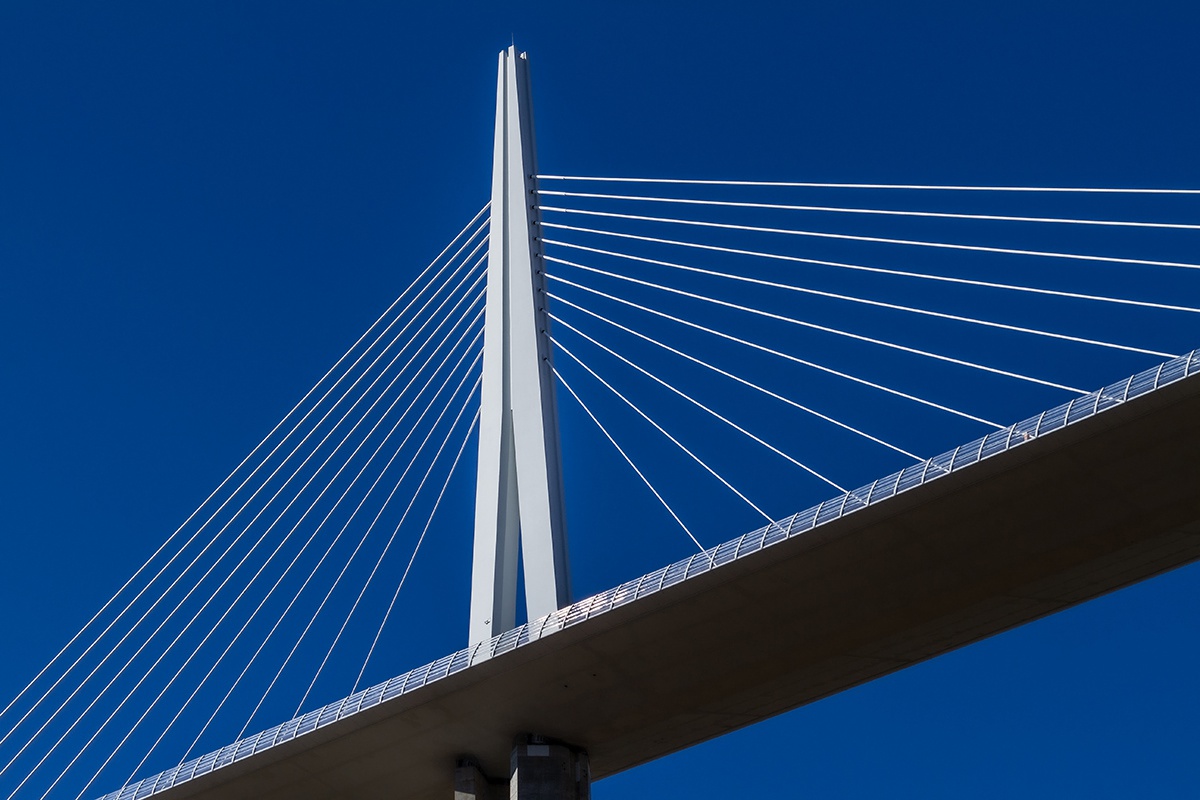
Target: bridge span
1055 510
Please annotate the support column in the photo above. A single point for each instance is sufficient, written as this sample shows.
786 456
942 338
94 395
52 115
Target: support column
539 769
518 500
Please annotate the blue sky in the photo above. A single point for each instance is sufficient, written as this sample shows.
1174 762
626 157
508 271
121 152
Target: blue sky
202 207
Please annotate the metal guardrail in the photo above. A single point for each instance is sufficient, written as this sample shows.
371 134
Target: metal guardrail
965 455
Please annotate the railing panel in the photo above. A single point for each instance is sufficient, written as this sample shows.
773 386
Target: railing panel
674 574
774 534
910 477
395 687
829 510
506 642
725 552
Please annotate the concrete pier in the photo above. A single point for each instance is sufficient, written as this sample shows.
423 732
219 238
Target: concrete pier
544 770
539 769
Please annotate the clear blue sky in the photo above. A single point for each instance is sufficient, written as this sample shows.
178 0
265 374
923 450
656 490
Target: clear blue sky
202 206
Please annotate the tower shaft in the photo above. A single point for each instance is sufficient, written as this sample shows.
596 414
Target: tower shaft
518 500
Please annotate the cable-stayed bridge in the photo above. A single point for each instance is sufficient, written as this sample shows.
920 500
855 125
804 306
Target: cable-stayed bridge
652 284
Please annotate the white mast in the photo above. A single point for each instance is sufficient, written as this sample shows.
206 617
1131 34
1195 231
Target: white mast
518 497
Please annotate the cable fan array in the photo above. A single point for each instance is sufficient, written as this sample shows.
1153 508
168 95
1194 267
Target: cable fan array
770 340
268 594
744 347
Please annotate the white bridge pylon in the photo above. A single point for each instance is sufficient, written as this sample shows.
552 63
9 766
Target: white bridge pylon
519 497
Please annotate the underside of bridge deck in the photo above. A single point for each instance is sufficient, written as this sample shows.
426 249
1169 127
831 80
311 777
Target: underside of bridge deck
1083 511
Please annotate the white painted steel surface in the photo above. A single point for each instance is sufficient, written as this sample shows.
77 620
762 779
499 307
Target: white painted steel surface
519 489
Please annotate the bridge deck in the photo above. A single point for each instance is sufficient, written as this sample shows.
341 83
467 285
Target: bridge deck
1084 499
